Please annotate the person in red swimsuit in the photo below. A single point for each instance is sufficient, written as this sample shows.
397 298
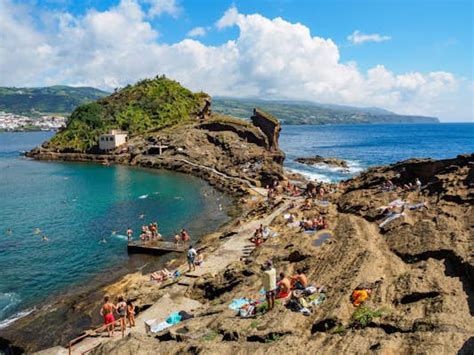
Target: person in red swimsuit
107 311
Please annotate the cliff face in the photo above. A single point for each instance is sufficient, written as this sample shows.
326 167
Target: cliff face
419 266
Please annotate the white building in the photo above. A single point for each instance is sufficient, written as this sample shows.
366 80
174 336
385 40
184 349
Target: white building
112 140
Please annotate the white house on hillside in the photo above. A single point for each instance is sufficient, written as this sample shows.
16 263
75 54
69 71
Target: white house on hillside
112 140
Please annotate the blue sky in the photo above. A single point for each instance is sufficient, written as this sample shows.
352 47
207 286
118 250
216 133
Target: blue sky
426 35
408 56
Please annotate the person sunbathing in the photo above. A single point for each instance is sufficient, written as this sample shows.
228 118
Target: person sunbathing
307 205
199 259
360 295
283 287
161 275
299 281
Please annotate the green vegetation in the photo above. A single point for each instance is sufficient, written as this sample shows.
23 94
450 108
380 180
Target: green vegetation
210 336
364 315
338 329
272 338
149 105
53 99
295 112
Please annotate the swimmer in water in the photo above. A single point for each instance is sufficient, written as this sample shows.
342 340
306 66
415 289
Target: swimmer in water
103 241
37 231
114 232
9 231
141 216
45 238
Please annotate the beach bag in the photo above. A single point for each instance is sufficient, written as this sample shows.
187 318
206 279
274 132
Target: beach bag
185 315
294 305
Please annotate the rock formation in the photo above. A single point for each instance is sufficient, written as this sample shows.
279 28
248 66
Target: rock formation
269 126
420 268
317 159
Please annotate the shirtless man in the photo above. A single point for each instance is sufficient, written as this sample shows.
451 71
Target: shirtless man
299 281
284 286
107 311
129 234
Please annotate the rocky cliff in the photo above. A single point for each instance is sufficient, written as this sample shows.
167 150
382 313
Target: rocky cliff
419 266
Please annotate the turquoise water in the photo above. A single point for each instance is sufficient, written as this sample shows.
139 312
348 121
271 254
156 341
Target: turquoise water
368 145
77 206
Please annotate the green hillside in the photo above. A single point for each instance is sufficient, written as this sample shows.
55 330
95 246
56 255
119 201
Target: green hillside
297 113
148 105
52 99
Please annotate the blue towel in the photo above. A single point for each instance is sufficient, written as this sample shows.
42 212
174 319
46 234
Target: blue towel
237 303
174 318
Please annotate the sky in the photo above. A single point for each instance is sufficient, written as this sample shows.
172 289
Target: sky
408 56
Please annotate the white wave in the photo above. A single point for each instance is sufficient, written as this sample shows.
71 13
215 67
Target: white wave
353 168
120 236
311 175
7 301
142 197
6 322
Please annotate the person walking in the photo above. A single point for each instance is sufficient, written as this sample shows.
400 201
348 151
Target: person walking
107 311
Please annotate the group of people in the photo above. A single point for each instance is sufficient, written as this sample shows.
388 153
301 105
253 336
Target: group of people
260 235
125 310
314 224
182 237
389 186
148 233
281 287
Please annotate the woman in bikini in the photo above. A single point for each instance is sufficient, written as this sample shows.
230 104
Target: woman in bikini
107 311
121 308
131 313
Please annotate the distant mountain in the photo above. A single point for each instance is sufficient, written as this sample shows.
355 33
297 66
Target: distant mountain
52 99
302 112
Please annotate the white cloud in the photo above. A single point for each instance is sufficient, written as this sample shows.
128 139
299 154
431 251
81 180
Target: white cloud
159 7
270 58
197 32
358 37
229 19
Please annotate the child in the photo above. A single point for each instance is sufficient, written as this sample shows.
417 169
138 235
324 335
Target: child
131 313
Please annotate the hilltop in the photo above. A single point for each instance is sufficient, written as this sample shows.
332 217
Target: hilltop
301 112
58 99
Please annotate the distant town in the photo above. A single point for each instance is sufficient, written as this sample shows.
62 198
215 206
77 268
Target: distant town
14 122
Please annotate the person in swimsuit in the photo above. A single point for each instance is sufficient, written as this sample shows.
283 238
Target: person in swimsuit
131 313
121 308
129 234
107 311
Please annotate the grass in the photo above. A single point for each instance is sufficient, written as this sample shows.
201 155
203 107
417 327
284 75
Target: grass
272 338
338 329
363 316
210 336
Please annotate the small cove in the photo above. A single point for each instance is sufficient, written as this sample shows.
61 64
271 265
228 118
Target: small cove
77 206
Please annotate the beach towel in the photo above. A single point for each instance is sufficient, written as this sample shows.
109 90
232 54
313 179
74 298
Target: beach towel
238 303
158 327
174 318
391 218
416 206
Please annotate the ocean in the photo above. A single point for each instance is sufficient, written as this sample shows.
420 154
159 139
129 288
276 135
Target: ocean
363 146
78 206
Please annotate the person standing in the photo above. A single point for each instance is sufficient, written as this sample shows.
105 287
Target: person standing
192 253
129 234
107 311
269 284
121 308
131 313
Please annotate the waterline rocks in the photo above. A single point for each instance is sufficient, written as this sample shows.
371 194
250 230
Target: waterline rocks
317 159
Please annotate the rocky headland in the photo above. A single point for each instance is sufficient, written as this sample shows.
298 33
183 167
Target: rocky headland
419 264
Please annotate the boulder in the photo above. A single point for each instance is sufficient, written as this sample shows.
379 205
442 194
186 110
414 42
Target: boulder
317 159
